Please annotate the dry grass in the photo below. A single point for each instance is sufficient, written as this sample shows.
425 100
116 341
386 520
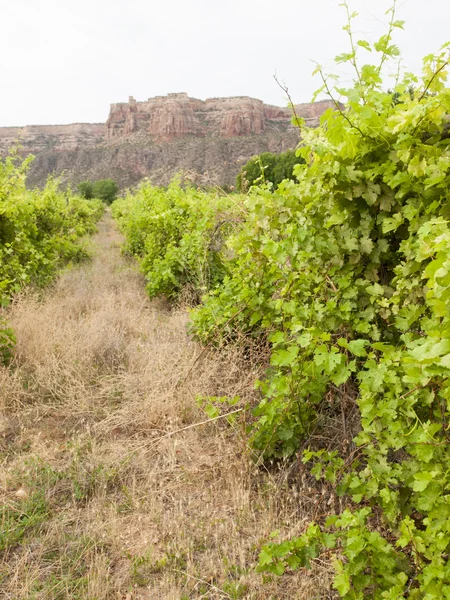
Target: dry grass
103 496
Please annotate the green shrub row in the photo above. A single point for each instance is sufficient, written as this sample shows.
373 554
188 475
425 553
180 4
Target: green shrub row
177 234
346 273
38 233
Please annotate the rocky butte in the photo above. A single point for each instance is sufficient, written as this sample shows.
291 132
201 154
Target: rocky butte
161 136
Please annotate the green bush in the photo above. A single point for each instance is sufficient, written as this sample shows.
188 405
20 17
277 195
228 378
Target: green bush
105 190
177 234
268 168
347 273
86 190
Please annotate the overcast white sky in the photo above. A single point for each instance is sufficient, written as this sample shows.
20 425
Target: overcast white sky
65 61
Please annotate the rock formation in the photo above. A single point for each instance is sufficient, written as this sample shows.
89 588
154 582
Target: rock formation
175 115
40 138
157 138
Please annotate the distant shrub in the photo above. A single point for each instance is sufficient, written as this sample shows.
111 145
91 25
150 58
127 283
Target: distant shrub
268 167
85 189
104 189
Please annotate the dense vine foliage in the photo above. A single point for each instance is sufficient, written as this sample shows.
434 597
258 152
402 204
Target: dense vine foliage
38 233
347 273
177 234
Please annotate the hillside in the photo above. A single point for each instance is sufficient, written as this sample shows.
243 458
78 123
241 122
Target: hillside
159 137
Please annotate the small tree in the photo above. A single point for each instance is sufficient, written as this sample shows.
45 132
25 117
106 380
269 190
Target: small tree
85 189
106 190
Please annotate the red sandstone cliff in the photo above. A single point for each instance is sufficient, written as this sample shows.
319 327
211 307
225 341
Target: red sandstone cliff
161 136
175 115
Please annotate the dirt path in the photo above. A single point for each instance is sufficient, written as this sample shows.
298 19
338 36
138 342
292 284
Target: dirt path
98 501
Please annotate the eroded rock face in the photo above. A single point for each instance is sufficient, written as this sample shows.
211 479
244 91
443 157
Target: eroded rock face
175 115
40 138
161 136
